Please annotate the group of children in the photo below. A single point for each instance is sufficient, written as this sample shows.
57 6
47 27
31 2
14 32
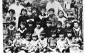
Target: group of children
41 31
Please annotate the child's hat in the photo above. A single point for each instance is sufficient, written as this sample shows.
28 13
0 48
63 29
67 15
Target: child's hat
30 22
34 35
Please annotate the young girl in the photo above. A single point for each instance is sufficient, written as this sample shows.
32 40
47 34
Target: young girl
38 29
42 43
22 30
61 43
52 42
34 43
62 18
23 18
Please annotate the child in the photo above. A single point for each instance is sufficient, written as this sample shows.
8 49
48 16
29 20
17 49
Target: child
34 15
26 43
11 30
11 17
43 16
68 27
23 18
28 6
34 43
77 29
52 42
48 28
30 27
38 29
22 30
61 43
62 18
51 11
17 42
42 42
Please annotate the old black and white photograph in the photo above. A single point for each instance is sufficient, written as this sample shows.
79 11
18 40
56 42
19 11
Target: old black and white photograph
42 26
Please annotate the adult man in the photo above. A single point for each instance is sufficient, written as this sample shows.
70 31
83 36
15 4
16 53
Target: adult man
55 5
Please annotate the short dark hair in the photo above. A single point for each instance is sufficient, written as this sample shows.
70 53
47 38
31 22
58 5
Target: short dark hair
23 10
51 9
11 10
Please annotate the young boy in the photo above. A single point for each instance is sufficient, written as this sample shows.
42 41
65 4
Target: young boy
52 42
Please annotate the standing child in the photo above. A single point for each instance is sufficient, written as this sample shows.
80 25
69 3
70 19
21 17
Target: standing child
42 42
34 43
22 30
62 18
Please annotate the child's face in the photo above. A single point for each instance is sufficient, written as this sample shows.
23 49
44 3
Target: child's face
43 11
17 35
61 36
38 26
69 34
30 25
23 12
53 35
11 14
51 12
34 38
61 14
34 11
76 25
11 26
28 37
29 9
68 25
58 26
42 37
22 26
48 24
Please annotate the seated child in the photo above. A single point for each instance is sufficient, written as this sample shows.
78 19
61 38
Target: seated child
61 43
38 29
42 42
22 30
34 43
17 42
52 42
